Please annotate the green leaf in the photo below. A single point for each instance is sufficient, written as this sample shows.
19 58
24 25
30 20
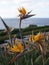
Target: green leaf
47 62
38 60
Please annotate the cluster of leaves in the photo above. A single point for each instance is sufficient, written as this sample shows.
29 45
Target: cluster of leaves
33 57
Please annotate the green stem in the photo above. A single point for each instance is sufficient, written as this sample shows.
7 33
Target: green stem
21 32
43 61
42 51
10 40
20 29
31 62
15 63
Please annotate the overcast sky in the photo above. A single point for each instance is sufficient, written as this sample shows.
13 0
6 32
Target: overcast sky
9 8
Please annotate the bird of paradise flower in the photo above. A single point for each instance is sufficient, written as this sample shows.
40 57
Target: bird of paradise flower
23 15
38 40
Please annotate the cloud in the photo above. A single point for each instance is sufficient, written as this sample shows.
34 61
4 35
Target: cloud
9 8
43 4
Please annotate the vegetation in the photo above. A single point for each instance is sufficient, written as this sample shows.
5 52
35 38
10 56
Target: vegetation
31 55
26 31
34 51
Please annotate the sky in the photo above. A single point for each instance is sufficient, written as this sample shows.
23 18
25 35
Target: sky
9 8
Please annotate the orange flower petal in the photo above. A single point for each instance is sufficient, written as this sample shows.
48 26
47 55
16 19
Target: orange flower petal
22 10
20 47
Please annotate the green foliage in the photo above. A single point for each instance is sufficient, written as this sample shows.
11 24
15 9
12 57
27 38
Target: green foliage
2 33
38 60
47 61
25 59
26 31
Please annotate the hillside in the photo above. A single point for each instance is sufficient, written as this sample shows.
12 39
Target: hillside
25 31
